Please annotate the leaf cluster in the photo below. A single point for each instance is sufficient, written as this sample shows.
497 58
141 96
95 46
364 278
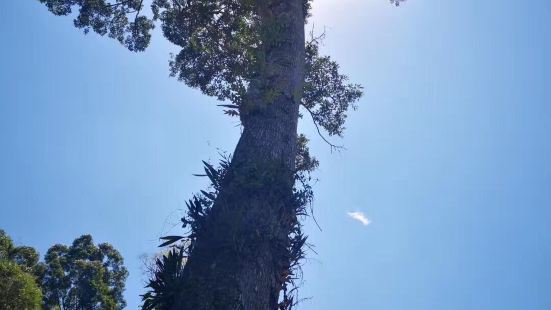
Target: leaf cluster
18 289
167 276
118 20
166 281
327 94
219 43
24 256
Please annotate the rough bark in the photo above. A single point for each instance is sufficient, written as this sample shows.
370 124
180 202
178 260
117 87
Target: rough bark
240 254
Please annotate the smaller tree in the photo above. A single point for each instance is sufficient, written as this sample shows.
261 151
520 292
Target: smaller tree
18 288
84 276
27 258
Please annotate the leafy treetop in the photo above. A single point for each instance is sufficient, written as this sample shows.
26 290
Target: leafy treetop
84 276
222 51
24 256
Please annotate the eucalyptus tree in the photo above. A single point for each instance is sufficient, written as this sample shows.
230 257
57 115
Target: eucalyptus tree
254 56
83 276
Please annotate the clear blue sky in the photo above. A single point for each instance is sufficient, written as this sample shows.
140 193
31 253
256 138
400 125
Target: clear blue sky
449 155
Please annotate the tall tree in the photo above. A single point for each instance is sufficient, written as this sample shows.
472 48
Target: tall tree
84 276
253 54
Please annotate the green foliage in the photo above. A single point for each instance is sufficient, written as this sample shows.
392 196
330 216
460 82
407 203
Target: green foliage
84 276
222 49
304 163
108 18
18 289
327 94
222 55
6 246
24 256
198 207
219 41
306 8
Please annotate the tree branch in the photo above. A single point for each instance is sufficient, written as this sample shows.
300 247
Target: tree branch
138 11
333 146
316 39
117 3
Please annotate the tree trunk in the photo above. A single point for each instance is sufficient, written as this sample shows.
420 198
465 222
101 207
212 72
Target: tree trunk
240 255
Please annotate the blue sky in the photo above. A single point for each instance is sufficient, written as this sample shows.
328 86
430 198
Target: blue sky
449 155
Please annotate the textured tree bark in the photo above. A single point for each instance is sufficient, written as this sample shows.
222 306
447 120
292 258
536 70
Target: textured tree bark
240 255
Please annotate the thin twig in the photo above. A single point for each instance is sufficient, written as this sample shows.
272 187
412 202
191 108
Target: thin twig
333 146
319 38
138 12
117 3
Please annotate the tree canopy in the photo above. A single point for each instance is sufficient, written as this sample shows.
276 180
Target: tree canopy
80 276
26 257
84 276
222 50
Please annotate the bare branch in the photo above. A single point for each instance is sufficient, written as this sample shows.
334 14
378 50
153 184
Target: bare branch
319 38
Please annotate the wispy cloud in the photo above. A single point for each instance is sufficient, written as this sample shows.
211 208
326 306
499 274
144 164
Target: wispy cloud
360 217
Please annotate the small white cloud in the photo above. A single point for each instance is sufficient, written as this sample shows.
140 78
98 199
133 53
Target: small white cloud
359 216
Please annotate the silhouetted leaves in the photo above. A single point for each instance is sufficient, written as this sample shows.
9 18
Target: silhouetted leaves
118 20
327 94
166 282
170 240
